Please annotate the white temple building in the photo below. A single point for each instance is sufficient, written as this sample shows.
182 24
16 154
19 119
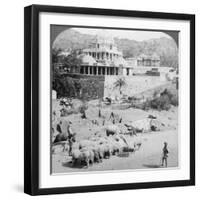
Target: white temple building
103 58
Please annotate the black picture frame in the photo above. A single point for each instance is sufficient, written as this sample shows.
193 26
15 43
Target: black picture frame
31 98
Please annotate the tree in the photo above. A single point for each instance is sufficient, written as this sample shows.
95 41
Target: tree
72 59
55 55
65 85
120 83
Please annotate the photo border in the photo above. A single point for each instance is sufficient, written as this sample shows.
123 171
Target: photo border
31 99
51 81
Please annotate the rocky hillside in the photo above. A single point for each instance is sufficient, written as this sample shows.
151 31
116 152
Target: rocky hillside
164 47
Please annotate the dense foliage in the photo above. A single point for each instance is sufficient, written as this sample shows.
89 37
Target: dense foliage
62 84
164 102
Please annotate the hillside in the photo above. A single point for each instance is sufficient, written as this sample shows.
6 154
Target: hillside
164 47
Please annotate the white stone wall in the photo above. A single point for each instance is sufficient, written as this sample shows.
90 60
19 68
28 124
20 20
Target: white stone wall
142 70
135 84
54 94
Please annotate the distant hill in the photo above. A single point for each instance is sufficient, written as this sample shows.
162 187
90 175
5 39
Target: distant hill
71 39
165 47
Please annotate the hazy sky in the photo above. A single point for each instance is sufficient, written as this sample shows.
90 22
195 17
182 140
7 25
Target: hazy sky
129 34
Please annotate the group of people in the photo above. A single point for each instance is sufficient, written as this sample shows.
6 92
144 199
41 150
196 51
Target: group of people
113 118
68 136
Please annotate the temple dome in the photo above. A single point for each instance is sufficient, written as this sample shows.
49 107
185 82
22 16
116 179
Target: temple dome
87 60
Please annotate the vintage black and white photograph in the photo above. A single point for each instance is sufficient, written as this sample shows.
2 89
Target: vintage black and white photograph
114 99
109 99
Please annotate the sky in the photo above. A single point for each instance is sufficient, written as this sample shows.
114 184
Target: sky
128 34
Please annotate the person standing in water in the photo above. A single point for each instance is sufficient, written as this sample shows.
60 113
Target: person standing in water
165 153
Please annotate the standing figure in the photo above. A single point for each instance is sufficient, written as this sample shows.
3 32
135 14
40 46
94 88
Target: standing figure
99 113
83 114
58 127
165 154
54 115
133 131
71 137
112 117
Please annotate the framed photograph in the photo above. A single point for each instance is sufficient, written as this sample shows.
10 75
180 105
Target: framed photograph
109 100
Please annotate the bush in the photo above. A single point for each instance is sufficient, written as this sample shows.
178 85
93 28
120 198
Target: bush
174 100
163 102
146 105
65 112
77 106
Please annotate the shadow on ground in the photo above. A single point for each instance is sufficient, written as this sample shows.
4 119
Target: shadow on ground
151 166
70 165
